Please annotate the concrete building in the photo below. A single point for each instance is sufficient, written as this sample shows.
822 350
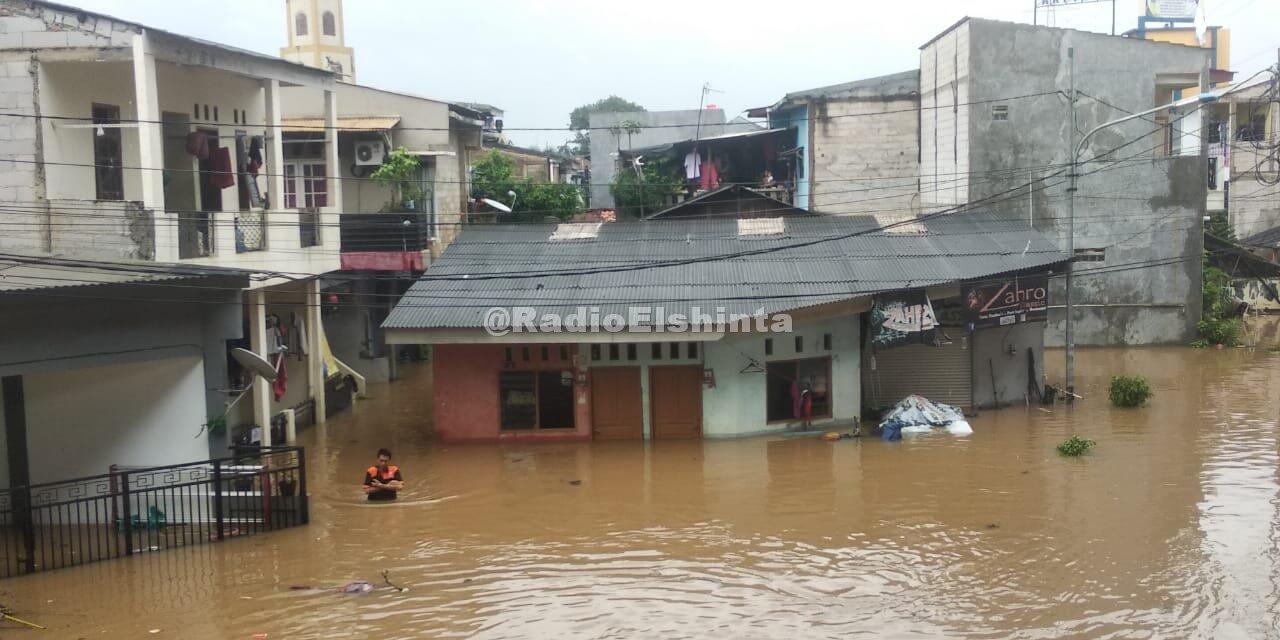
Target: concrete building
317 37
129 143
609 137
123 366
627 366
383 237
859 143
995 118
1252 170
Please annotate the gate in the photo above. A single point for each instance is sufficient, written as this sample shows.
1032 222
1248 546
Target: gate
143 510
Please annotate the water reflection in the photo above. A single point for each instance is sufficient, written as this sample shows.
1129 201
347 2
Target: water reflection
1170 529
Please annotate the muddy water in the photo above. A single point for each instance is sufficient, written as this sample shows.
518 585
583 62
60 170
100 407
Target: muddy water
1171 529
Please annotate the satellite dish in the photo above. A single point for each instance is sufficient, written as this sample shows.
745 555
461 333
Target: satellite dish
497 205
254 363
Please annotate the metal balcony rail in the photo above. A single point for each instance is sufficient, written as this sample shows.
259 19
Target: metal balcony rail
143 510
361 232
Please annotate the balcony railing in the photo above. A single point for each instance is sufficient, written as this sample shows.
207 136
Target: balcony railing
384 232
142 510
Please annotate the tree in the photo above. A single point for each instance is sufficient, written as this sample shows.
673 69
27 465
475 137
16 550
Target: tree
637 195
580 120
493 176
400 172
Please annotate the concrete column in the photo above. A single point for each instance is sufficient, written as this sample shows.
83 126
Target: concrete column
258 343
274 150
315 358
329 230
151 147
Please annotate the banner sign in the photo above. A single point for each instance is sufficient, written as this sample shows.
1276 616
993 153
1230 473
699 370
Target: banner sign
903 318
1172 9
1007 302
1049 4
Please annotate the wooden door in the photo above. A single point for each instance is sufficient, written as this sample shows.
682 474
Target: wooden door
675 395
616 411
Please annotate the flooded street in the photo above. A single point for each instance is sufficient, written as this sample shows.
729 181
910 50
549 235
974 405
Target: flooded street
1171 528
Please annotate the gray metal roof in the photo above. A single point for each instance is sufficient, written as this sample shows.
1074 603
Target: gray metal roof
33 273
1269 239
489 266
903 83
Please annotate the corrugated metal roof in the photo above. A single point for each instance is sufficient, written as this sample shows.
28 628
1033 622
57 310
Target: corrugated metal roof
1269 239
345 123
20 274
711 266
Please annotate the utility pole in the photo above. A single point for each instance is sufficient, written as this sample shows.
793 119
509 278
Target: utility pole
1071 228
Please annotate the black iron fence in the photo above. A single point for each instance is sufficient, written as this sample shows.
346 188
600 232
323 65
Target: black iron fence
142 510
361 232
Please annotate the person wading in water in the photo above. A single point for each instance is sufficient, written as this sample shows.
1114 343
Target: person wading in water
382 481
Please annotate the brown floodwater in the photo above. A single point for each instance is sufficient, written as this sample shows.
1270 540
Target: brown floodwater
1170 529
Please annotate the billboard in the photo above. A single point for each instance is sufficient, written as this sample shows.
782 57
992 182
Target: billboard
1172 9
1005 302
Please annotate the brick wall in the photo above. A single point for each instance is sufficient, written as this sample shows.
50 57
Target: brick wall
865 156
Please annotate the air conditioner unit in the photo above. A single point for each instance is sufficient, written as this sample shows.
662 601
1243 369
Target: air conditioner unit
370 153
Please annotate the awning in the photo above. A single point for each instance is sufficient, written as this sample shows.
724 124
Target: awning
345 123
661 148
433 153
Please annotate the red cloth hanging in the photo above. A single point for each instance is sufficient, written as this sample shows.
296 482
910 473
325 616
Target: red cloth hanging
282 377
223 172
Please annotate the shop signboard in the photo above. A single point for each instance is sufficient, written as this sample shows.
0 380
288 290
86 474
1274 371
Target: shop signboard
903 318
1007 301
1172 9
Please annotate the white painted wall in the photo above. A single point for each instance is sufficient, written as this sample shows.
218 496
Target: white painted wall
738 404
82 421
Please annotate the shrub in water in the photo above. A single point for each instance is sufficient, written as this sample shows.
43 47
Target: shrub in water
1129 391
1075 446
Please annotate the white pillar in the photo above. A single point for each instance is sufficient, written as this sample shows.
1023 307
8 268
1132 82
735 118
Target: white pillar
315 358
151 147
274 150
258 343
329 230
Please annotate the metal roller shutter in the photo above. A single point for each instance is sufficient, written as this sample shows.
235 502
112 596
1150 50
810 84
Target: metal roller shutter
941 374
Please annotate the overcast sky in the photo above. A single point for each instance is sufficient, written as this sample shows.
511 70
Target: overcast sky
540 60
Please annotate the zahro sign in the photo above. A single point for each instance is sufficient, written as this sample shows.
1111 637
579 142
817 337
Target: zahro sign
1002 303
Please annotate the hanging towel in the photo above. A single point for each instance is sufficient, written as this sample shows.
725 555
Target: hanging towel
223 173
282 377
198 144
692 165
299 336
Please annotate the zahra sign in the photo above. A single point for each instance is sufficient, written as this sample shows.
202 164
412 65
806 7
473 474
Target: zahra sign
1006 302
1172 9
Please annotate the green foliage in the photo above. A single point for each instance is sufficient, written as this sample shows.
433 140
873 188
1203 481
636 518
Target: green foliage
537 200
579 120
218 424
1216 302
493 177
636 196
1075 446
400 172
1129 391
1220 226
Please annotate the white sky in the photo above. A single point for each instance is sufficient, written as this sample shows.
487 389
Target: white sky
538 61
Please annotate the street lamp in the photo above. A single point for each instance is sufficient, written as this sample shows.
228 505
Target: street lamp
1201 98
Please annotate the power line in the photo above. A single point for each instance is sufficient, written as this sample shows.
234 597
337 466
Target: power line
322 128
